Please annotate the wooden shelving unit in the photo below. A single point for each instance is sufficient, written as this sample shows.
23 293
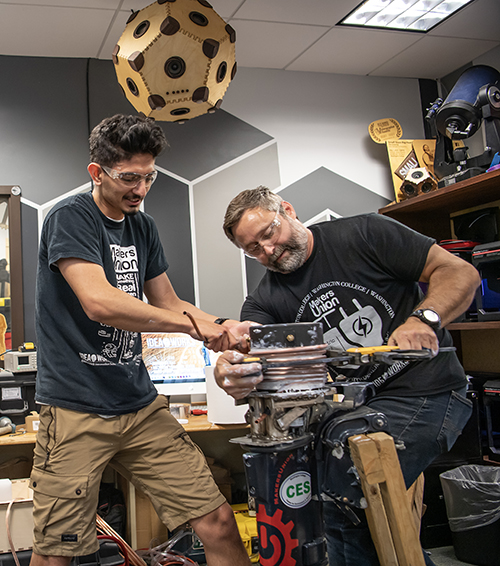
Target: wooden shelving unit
477 342
430 213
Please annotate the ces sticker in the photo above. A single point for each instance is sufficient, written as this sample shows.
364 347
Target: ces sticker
295 491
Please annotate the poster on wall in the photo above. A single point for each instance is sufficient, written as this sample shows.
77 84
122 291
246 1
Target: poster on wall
424 151
402 158
404 155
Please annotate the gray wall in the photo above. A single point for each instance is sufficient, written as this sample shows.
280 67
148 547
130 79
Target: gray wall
303 134
47 109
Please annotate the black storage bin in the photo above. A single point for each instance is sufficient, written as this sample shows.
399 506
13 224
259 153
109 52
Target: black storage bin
17 395
109 554
472 497
24 557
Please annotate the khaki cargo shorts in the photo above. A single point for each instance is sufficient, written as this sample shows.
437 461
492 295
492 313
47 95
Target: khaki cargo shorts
149 448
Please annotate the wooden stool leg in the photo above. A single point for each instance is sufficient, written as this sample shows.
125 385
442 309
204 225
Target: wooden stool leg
415 495
389 514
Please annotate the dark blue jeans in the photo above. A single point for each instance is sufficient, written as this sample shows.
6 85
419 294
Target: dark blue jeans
428 426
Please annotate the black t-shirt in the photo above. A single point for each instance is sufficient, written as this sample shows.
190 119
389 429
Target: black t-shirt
85 365
361 283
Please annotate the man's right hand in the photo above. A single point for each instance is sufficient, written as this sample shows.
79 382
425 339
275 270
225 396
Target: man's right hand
216 337
241 331
237 379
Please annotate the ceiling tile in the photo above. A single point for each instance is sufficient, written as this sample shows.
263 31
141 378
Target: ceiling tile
52 31
115 32
480 20
352 51
226 8
319 12
102 4
272 45
294 35
133 5
434 57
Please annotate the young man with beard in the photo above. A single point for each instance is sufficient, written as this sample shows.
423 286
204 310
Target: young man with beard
359 277
98 255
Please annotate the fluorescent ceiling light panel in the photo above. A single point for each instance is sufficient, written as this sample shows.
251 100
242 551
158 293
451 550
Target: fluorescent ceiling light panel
410 15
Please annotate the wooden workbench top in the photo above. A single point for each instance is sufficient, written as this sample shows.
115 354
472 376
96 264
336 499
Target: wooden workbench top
19 437
201 423
198 423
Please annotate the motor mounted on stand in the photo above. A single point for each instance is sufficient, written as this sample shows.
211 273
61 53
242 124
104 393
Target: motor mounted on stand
300 422
285 411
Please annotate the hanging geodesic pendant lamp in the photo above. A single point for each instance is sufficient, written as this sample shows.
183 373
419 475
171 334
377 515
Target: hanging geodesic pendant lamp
175 59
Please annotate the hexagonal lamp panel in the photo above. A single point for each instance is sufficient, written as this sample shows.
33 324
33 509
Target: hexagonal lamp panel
175 59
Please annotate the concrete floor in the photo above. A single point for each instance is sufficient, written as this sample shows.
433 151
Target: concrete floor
445 556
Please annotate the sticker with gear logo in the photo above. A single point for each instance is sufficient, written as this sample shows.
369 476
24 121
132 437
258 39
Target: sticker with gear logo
275 538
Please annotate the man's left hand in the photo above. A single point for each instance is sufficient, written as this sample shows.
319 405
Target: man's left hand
237 379
414 334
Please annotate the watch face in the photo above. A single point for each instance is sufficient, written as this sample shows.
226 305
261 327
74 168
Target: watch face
431 316
428 316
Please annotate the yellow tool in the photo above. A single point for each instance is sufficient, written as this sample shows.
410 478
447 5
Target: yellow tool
355 356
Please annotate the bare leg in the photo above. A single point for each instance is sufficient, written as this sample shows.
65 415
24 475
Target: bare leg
39 560
220 537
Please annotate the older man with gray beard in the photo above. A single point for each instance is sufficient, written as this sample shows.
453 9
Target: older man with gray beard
360 277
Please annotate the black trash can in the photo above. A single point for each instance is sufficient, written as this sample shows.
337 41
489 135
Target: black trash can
472 498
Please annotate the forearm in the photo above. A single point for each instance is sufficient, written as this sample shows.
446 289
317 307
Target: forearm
184 306
450 292
452 283
121 310
194 315
239 330
109 305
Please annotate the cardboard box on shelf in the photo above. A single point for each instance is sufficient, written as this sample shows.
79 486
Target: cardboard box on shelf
32 422
144 524
20 517
405 155
148 525
402 158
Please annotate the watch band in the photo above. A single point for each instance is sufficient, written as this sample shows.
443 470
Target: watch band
220 320
429 317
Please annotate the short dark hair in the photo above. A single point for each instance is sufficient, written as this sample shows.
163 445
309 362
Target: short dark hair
121 137
261 197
